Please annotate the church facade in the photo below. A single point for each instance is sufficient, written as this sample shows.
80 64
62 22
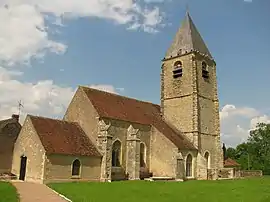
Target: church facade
105 137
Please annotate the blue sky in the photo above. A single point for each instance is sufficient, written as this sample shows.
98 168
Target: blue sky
104 51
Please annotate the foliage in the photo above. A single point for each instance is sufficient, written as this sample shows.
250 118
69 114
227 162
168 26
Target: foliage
8 193
255 153
231 153
248 190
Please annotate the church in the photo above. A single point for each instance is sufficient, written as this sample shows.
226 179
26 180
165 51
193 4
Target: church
107 137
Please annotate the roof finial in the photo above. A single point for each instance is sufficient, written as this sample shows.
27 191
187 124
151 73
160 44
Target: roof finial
20 106
187 8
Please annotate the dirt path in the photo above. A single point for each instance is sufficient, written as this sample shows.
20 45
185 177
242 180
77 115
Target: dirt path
31 192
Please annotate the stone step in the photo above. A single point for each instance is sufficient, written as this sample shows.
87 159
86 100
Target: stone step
7 176
220 178
161 179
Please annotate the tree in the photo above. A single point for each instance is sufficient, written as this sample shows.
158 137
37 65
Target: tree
259 147
231 153
243 156
255 153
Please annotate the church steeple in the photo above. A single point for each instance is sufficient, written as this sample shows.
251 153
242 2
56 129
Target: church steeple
189 95
187 39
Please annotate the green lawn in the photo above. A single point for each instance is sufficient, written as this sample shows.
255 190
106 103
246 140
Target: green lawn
247 190
8 193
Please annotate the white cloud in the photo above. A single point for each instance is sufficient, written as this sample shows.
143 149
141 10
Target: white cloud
231 111
248 1
259 119
236 122
25 34
25 24
107 88
43 98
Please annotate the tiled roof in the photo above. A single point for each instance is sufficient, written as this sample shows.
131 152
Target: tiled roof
62 137
109 105
231 163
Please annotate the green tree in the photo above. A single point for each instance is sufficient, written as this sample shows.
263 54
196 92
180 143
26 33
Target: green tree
255 153
259 147
242 156
231 153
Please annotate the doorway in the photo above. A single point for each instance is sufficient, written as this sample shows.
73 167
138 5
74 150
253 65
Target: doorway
23 168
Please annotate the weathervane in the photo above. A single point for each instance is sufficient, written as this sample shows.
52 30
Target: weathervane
20 106
187 7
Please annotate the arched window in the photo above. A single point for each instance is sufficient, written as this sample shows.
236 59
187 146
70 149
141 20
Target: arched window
189 166
76 167
205 72
142 155
206 156
178 69
116 154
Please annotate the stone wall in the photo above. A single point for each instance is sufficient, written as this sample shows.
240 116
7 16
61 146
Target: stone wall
224 173
82 111
190 103
177 99
251 173
6 153
130 135
118 173
163 161
28 144
9 131
232 173
58 168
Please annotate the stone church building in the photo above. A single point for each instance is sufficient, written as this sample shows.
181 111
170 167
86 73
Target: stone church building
9 131
104 136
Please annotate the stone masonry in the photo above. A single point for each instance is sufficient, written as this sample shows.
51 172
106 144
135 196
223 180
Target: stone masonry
119 137
190 102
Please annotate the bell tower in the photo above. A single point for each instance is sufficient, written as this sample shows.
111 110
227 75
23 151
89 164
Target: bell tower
189 99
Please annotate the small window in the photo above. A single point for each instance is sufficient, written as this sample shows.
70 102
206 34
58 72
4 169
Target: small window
206 156
205 72
76 166
189 166
116 154
178 69
142 155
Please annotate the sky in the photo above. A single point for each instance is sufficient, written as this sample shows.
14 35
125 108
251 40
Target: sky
48 48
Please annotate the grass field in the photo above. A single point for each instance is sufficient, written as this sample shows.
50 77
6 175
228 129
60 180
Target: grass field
247 190
8 193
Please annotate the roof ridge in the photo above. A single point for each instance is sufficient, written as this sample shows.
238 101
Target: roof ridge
49 118
122 96
114 106
179 132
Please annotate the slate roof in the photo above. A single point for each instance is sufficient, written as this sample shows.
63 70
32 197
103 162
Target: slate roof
4 122
7 137
187 39
109 105
231 163
62 137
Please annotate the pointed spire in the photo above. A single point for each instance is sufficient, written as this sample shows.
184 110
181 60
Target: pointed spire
187 39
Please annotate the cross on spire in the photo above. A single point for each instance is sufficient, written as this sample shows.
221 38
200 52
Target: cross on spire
187 8
20 106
